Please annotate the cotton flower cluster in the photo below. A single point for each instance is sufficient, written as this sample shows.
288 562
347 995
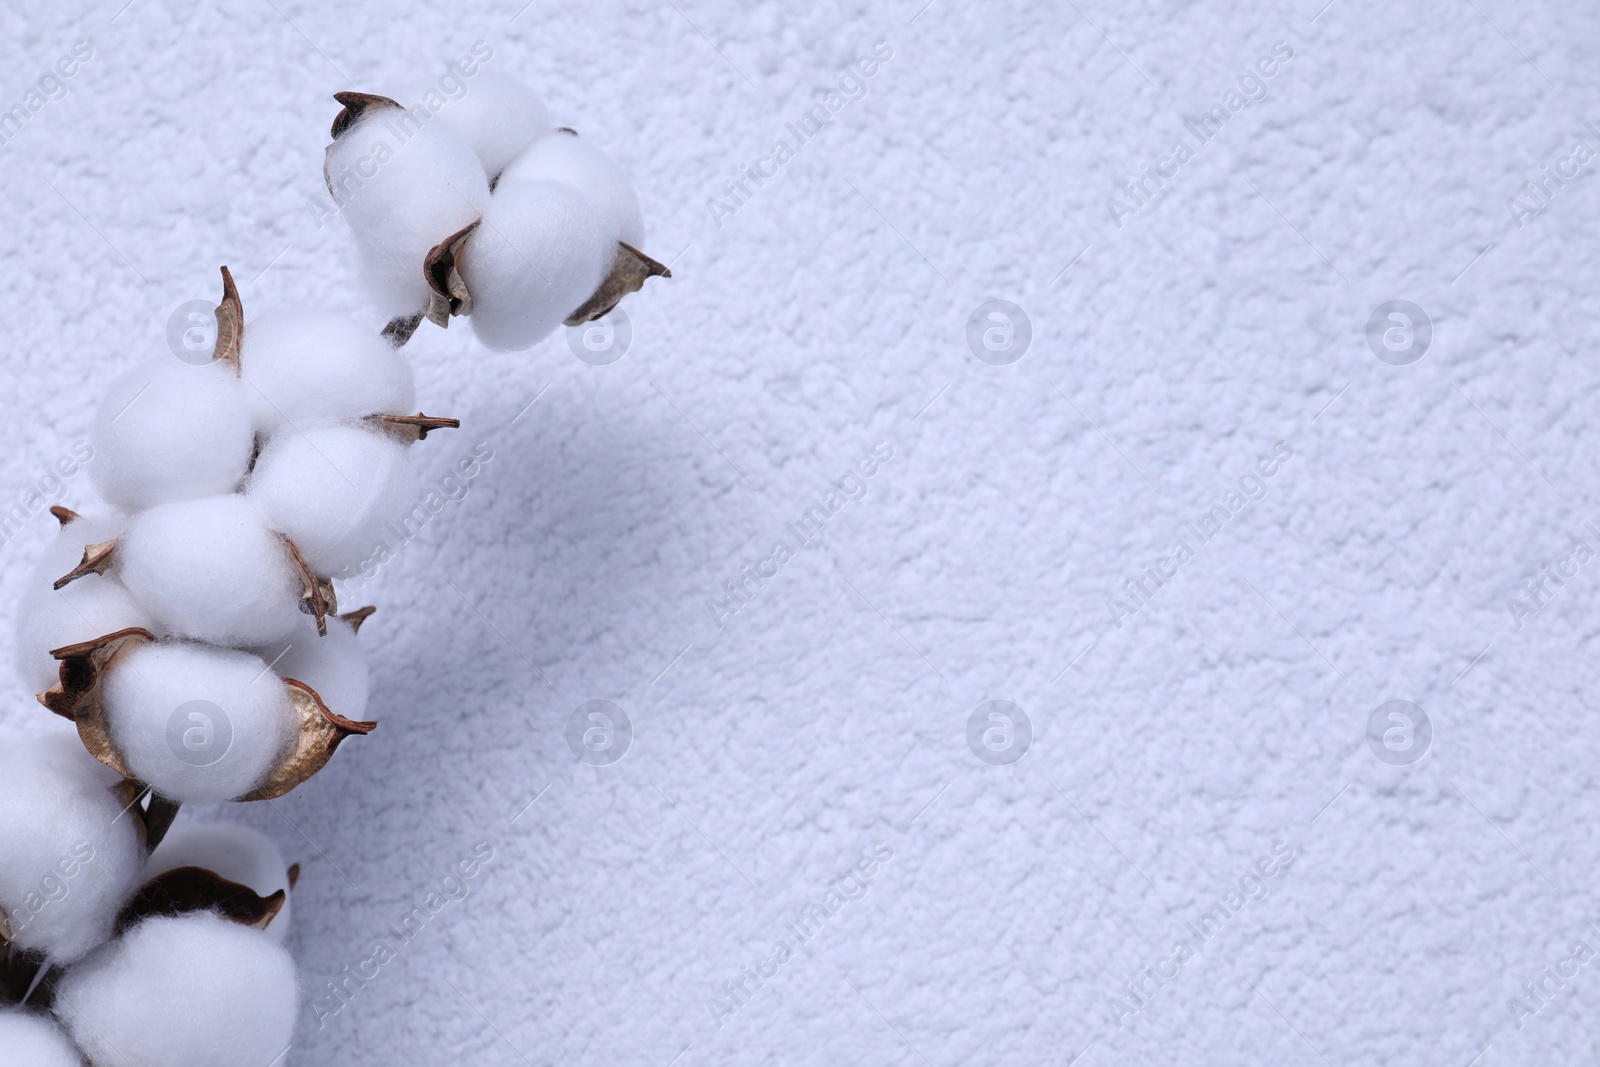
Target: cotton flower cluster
190 636
189 631
246 485
479 208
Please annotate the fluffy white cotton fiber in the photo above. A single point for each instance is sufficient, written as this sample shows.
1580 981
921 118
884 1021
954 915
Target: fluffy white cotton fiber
405 183
198 723
331 491
187 991
573 161
309 367
212 570
543 249
90 607
495 115
235 852
71 855
28 1039
334 665
168 430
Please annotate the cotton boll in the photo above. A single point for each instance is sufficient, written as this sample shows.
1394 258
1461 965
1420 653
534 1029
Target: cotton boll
187 991
496 115
71 855
405 183
28 1039
212 570
572 160
169 430
198 723
332 490
306 367
235 852
334 665
543 249
90 607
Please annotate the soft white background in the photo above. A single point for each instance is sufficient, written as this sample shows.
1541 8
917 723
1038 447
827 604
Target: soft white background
830 714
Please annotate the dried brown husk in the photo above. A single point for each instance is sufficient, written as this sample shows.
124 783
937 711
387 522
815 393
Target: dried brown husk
157 817
630 269
230 324
317 597
189 889
357 617
400 328
18 966
355 106
97 559
320 733
79 696
450 295
409 429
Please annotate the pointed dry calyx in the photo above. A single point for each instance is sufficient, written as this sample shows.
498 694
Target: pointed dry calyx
357 617
18 966
411 428
400 329
64 515
79 696
316 594
450 295
320 733
630 269
230 324
153 814
96 560
158 815
187 889
355 106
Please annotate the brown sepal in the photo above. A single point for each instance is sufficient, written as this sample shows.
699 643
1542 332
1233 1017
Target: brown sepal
63 515
19 967
629 271
408 429
450 295
189 889
400 329
77 696
96 560
130 793
230 324
357 617
316 594
355 106
159 815
319 736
